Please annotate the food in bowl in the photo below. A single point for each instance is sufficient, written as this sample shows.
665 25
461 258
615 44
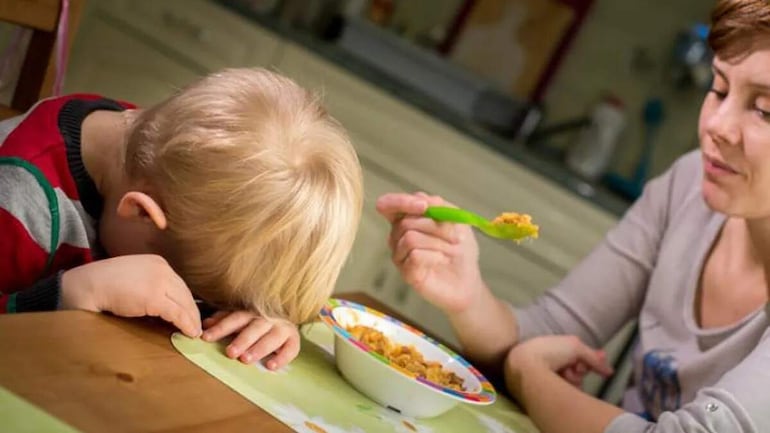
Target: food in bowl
382 380
406 357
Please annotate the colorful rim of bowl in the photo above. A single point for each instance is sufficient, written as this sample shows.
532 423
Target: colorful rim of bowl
487 394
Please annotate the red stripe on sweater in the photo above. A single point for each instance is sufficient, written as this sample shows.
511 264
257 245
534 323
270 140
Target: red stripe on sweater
22 260
69 256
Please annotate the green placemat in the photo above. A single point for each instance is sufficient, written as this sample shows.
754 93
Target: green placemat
20 416
310 395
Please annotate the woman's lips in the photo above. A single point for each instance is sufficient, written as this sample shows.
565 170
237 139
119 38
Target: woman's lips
716 167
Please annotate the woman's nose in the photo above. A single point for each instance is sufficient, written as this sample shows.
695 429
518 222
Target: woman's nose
723 125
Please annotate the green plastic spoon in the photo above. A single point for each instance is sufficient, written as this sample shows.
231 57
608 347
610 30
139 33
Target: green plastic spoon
501 230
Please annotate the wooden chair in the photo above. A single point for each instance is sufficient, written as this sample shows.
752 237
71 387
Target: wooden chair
38 70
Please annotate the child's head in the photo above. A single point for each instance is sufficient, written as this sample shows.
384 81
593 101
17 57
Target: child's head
260 186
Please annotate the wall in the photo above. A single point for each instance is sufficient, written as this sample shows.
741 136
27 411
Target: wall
9 74
601 59
416 18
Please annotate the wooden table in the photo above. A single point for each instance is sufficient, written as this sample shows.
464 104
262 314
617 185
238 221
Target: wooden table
100 373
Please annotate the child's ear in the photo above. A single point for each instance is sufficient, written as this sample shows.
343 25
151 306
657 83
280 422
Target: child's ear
135 204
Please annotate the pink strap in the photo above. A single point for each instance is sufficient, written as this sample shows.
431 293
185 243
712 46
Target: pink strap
14 49
62 53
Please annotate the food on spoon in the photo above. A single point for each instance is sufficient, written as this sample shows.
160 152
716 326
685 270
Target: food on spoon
406 357
519 220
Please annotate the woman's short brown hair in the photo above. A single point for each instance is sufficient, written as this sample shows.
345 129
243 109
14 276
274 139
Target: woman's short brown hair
739 27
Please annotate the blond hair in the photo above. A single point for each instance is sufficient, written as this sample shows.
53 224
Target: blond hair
261 187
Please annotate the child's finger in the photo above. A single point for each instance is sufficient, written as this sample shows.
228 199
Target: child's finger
172 312
175 304
178 291
229 324
267 344
247 337
284 355
215 318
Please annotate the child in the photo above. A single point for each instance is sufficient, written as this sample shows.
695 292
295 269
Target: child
240 190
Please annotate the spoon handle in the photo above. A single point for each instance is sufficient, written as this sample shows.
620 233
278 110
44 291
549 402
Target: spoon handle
456 215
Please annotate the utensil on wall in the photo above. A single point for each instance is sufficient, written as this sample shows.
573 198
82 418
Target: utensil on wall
631 188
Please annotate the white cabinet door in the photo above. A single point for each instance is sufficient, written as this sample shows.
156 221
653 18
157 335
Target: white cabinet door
370 253
109 61
511 272
369 268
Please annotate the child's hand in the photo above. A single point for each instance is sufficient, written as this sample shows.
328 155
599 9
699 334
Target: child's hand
257 337
132 286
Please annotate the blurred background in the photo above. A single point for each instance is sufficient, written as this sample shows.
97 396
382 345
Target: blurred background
611 90
562 109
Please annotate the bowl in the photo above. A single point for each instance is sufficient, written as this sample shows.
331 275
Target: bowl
386 383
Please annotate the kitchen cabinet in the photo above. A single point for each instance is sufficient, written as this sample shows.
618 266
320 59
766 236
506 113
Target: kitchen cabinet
365 269
142 51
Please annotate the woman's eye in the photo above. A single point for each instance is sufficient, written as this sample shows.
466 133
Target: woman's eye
718 93
764 114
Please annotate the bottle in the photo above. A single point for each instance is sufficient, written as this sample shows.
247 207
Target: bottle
591 154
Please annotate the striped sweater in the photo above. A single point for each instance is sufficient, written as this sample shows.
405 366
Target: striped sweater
49 205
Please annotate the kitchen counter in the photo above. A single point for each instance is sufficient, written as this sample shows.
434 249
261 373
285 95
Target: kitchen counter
551 170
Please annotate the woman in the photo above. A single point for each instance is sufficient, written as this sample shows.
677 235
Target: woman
689 260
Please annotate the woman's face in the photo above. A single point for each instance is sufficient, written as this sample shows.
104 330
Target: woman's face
734 133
